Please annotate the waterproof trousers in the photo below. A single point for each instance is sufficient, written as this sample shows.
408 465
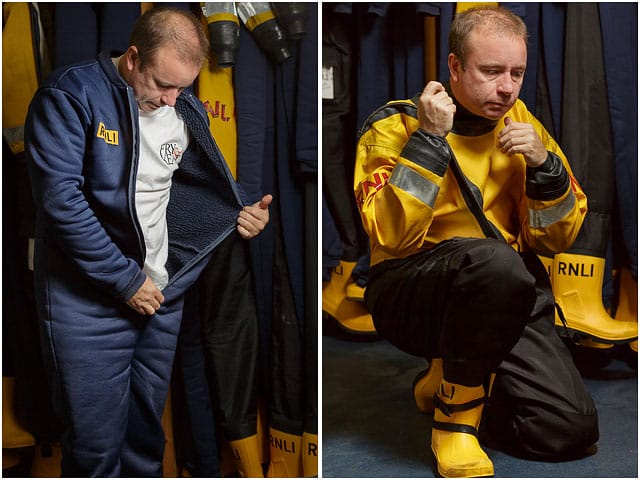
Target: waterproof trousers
229 325
467 301
483 308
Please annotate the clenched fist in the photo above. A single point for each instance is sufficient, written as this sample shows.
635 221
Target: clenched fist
436 110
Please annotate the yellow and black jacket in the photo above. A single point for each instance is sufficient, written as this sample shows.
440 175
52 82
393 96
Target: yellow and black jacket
409 199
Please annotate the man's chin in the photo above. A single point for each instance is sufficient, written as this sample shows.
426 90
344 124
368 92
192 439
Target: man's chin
147 106
496 112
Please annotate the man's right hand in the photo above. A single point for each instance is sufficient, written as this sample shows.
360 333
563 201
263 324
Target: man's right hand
436 110
147 299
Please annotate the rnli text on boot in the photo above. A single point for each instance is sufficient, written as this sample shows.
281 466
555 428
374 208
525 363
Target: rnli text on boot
282 444
575 269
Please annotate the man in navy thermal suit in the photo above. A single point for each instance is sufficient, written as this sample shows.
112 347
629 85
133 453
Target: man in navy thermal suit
132 195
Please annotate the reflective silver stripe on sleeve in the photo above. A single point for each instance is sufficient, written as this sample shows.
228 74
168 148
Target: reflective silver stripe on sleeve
550 215
415 184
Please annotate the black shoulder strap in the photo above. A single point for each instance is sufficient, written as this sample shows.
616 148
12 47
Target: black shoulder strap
473 199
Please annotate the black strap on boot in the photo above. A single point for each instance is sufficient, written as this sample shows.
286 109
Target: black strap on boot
448 409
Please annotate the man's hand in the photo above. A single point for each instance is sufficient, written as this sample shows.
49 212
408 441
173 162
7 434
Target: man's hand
522 138
147 299
254 218
436 109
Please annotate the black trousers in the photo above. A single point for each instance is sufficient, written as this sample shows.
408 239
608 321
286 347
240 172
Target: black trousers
467 301
483 308
229 323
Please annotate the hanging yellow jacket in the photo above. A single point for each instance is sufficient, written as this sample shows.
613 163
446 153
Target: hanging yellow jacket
409 199
19 75
215 90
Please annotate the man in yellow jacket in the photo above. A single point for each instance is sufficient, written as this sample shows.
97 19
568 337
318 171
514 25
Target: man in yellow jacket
455 276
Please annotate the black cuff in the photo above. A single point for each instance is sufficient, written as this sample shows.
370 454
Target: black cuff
548 181
427 150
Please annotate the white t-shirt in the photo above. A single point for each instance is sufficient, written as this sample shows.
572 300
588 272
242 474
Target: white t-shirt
163 139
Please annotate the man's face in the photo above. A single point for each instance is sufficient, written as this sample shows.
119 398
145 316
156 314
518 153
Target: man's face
490 83
161 80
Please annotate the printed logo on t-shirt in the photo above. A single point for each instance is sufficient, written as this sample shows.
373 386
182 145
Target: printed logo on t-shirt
170 153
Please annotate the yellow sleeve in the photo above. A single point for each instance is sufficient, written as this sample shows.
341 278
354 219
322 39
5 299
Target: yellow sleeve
556 211
399 170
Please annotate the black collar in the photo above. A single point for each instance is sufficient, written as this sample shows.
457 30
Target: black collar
469 124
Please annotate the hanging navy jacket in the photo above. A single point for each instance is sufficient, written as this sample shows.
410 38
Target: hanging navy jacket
619 24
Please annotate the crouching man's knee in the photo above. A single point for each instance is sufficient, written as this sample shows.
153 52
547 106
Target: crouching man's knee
559 435
543 434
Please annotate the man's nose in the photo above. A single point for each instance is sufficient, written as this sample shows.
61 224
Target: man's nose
506 84
169 97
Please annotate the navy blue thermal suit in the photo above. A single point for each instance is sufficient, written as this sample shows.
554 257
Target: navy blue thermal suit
109 367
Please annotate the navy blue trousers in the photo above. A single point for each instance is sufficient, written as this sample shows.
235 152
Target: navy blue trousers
109 369
110 378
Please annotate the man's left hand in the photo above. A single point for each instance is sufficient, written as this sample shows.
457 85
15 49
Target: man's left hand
253 219
522 138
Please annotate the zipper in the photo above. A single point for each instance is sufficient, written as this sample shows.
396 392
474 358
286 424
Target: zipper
133 171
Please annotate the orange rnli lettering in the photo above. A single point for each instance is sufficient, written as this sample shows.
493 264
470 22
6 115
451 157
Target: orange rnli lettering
379 181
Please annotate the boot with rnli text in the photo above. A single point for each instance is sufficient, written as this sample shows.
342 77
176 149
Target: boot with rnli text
577 286
454 438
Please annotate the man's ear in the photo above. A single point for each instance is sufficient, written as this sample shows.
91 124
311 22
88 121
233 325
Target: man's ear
131 56
454 67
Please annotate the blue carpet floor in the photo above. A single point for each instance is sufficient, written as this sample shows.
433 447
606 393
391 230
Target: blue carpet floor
371 427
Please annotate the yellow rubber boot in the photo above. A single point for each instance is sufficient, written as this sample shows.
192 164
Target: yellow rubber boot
585 342
355 292
14 433
351 315
577 286
627 310
286 458
246 454
310 454
548 266
454 438
628 301
426 384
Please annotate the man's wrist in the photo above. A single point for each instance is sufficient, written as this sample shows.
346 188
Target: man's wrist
433 133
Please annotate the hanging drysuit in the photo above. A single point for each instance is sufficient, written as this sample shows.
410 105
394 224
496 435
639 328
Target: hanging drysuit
274 154
89 255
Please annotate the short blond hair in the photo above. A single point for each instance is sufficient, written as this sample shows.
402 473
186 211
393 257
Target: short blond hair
495 18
